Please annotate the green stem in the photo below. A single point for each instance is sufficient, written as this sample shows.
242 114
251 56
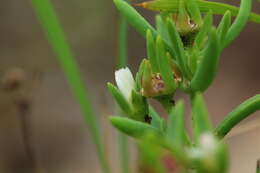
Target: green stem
238 114
122 62
123 151
167 102
258 166
56 38
122 42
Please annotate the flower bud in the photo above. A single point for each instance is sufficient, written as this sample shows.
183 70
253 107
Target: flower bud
153 84
210 155
125 81
130 101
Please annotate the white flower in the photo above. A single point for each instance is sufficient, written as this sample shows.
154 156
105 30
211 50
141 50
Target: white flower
125 81
208 141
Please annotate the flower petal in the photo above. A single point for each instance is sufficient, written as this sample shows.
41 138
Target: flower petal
125 81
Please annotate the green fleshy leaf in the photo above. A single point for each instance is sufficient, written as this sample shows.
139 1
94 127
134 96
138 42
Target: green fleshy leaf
164 65
204 6
120 99
193 59
133 17
206 26
150 44
175 128
222 8
223 27
178 48
207 67
240 22
137 21
161 28
200 119
133 128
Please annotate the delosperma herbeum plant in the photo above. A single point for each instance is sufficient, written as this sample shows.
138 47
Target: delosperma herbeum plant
183 53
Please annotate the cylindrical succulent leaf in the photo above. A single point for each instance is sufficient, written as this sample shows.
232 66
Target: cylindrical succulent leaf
207 67
133 128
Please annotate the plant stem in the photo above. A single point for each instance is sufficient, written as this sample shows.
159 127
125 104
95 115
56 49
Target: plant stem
56 38
122 42
258 166
122 61
23 107
238 114
123 150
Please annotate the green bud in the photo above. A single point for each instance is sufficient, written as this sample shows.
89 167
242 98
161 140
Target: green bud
185 25
148 89
158 84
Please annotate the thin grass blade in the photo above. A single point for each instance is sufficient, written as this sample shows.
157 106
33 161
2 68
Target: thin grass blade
56 38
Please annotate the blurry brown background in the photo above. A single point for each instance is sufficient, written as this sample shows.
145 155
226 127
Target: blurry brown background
58 134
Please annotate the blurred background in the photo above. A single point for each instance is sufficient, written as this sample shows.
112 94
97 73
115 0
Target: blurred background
34 90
